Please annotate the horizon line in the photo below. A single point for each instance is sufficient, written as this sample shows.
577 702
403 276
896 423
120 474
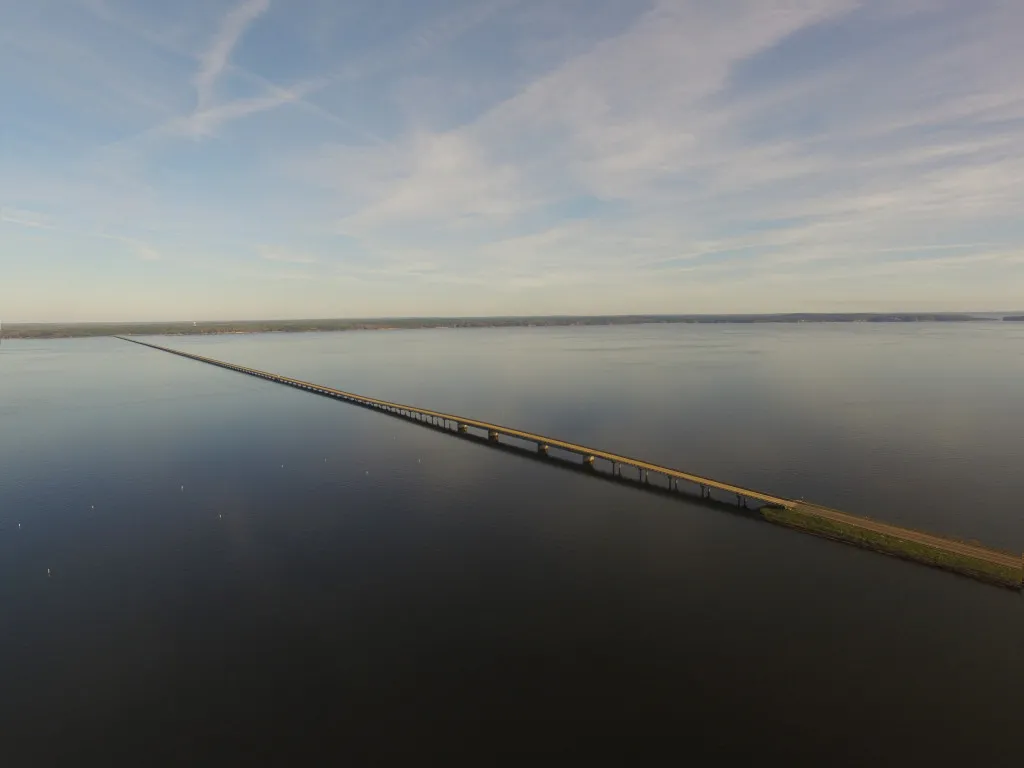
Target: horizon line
591 316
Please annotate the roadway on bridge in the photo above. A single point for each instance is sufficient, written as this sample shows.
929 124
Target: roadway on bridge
552 442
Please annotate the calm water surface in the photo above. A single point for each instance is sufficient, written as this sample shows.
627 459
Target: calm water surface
187 554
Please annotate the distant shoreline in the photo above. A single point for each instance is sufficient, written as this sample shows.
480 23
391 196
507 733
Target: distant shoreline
206 328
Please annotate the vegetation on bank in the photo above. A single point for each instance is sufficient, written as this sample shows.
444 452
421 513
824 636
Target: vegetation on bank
73 330
967 565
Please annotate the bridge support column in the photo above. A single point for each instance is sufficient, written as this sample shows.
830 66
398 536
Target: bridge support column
492 435
542 449
462 428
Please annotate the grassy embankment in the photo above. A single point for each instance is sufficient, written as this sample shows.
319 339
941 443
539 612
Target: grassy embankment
968 565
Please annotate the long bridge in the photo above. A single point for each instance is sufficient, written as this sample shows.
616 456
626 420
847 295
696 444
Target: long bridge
966 558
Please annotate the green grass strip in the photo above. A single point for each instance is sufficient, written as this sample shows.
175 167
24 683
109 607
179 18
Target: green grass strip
967 565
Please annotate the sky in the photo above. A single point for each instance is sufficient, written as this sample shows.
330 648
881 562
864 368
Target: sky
244 159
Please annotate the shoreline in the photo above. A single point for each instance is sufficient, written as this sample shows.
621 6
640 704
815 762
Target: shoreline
239 327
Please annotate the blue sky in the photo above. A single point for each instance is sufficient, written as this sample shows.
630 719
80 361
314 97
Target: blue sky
316 158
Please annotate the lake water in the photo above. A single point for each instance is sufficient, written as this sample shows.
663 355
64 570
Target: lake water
191 558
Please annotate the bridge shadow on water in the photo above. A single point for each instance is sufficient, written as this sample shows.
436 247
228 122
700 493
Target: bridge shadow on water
657 487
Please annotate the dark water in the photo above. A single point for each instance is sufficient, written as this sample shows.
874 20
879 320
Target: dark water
197 563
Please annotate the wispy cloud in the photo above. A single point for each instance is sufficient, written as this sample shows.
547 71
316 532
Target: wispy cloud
286 255
215 59
663 155
652 121
22 218
142 250
205 122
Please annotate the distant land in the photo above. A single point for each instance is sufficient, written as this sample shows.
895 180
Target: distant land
203 327
1015 318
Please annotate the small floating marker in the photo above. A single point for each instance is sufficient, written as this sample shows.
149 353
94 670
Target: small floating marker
220 515
183 487
48 572
19 525
93 506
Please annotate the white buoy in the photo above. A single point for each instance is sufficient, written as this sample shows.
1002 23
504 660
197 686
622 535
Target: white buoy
48 572
19 525
183 487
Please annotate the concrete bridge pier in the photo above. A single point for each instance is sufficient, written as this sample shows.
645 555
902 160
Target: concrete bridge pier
492 435
542 449
463 428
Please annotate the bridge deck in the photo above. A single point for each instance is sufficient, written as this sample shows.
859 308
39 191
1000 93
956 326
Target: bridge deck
551 442
949 546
